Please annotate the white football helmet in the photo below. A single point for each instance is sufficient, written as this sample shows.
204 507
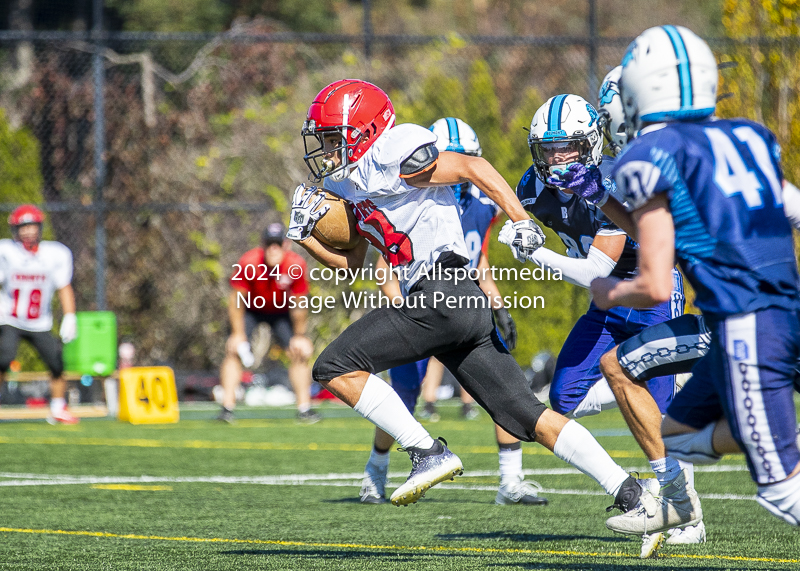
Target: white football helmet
566 124
668 74
455 135
612 115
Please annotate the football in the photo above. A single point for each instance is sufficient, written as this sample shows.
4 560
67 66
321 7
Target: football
337 228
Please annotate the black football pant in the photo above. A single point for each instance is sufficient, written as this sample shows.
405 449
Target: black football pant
48 347
463 338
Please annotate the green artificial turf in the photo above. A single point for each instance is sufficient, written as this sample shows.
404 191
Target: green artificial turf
162 522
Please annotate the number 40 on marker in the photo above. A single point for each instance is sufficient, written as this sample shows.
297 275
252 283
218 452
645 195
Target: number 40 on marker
147 395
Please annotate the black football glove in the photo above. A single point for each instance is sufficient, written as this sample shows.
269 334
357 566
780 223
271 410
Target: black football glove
507 327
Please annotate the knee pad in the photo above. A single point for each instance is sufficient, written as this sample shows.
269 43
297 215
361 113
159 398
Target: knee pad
782 499
694 447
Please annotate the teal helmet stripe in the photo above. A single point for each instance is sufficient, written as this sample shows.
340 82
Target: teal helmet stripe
554 120
684 73
455 140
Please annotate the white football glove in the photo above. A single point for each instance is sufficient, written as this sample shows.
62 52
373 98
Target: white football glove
304 215
245 354
69 328
523 237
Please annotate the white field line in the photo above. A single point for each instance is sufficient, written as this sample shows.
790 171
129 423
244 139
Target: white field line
329 480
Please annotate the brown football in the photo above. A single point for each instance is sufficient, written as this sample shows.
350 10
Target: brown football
337 228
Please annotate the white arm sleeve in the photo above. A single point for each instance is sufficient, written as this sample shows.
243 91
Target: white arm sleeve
576 271
791 203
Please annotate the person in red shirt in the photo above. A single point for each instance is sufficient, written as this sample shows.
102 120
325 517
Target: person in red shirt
263 281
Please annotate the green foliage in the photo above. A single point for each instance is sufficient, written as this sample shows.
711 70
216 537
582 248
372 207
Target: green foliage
172 15
308 16
20 176
305 16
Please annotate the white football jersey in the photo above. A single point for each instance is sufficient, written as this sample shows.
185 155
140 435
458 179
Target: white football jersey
28 281
410 226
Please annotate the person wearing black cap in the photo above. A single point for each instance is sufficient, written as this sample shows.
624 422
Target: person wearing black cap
262 281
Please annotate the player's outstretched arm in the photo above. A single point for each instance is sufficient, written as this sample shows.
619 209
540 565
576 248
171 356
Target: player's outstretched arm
656 258
455 168
603 255
615 210
333 258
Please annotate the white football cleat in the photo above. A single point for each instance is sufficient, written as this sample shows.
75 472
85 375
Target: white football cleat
688 535
518 491
651 544
373 486
428 468
677 506
62 417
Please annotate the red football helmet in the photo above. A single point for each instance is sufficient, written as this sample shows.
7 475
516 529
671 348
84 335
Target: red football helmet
21 216
356 110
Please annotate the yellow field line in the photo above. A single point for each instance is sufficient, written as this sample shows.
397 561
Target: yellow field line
286 446
436 548
131 487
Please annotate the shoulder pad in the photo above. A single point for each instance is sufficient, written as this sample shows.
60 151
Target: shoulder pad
529 187
398 143
420 160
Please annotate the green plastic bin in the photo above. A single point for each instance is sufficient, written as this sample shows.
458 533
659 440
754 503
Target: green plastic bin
94 351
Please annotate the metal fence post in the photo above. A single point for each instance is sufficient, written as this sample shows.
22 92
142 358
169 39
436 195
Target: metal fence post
98 74
591 80
367 27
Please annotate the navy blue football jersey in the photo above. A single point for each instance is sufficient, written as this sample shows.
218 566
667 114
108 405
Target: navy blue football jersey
477 213
723 181
575 221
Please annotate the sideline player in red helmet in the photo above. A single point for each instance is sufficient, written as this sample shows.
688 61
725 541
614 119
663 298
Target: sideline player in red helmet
31 270
398 183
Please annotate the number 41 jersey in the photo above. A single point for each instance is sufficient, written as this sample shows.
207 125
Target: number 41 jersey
723 181
28 281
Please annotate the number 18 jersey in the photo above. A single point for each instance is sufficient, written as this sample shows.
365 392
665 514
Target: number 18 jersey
28 281
723 181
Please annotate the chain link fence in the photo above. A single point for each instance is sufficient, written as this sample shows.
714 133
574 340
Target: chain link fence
199 147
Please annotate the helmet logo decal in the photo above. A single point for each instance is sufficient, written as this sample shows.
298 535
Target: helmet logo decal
592 114
386 114
607 93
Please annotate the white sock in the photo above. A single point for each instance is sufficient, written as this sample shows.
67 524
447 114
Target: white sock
782 499
303 408
57 405
385 409
378 459
688 467
577 446
666 469
510 465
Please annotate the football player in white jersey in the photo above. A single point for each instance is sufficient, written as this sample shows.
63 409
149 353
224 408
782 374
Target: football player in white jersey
397 181
31 271
477 215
